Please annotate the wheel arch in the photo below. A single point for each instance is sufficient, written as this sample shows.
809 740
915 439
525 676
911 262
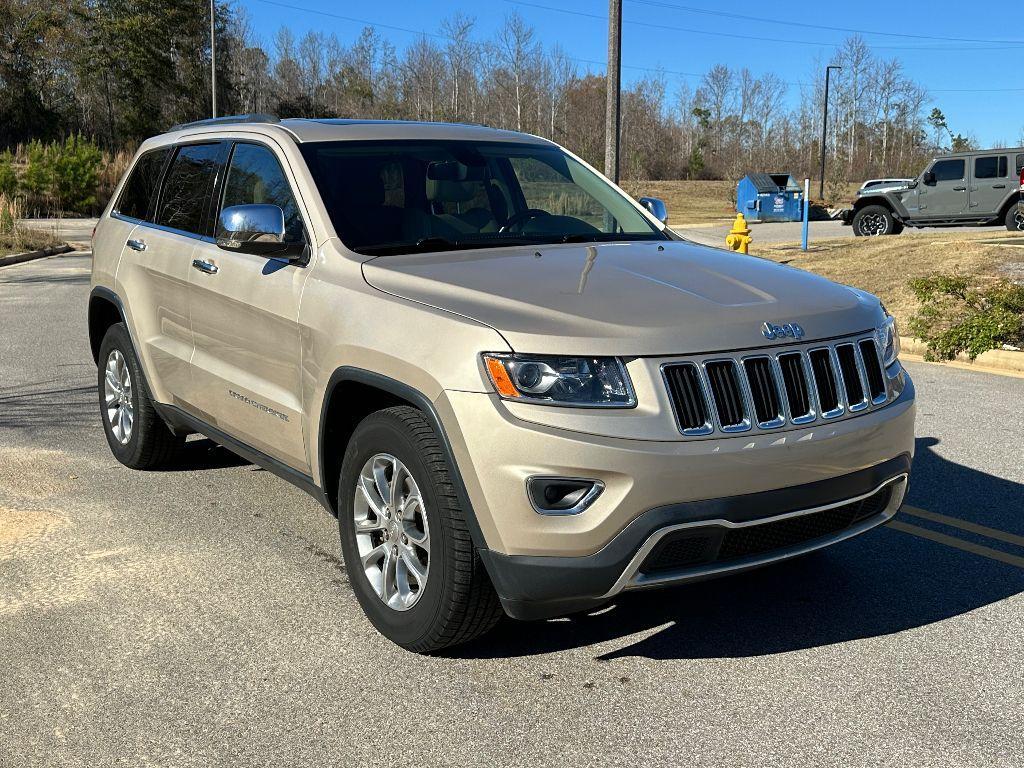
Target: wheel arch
105 310
351 395
864 202
1011 200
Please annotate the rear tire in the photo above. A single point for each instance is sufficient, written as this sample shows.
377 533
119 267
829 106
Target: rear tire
136 434
427 590
1015 219
874 221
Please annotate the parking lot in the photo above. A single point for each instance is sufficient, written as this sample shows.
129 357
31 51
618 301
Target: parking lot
202 616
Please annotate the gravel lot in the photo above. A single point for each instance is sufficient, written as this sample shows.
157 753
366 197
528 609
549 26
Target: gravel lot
202 617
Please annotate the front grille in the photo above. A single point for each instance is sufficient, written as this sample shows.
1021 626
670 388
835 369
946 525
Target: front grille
851 376
764 391
687 393
725 389
714 544
795 380
767 390
825 380
873 369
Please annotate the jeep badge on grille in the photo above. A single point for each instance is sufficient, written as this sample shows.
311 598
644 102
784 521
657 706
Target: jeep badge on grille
790 330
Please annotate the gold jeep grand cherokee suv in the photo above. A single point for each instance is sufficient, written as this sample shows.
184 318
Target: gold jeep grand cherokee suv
514 386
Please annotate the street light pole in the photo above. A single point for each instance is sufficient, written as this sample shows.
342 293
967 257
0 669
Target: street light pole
213 65
612 103
824 131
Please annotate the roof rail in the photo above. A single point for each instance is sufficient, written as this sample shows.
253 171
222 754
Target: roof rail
254 117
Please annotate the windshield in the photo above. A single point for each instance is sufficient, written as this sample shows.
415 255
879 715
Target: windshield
388 197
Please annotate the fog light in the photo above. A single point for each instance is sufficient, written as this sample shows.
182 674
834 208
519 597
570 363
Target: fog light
562 495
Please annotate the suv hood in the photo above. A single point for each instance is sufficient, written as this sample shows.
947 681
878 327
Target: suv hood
642 298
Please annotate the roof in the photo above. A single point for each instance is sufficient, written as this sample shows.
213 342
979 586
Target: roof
764 183
972 152
304 130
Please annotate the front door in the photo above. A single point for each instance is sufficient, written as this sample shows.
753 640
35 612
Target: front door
990 184
944 196
246 366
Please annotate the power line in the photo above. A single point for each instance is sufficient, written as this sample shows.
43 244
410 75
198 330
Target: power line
440 36
732 35
806 25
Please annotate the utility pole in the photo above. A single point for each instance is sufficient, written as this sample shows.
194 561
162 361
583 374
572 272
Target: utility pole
213 65
614 96
824 131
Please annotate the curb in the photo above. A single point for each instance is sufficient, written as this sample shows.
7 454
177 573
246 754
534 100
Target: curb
18 258
994 361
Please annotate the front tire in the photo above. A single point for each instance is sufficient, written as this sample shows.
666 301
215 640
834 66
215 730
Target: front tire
407 548
874 221
136 434
1015 219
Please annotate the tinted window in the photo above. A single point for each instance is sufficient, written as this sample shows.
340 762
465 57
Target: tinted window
139 191
1020 163
185 198
991 167
407 196
255 177
948 170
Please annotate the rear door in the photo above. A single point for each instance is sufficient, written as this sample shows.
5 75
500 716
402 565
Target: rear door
990 183
153 273
246 366
946 197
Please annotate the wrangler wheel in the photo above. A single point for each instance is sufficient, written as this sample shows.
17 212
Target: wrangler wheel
873 221
1015 219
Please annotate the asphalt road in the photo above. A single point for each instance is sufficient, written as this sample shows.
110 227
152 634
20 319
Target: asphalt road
790 231
202 617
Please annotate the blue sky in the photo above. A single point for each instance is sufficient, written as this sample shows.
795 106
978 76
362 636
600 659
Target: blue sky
965 76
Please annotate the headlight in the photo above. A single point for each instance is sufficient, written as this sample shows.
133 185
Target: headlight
889 341
556 380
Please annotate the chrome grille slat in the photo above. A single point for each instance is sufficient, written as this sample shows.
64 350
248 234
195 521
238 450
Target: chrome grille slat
770 389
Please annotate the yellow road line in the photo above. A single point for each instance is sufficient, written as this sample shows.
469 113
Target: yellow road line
965 525
952 541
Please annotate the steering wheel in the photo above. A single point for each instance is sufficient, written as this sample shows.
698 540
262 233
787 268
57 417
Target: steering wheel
521 218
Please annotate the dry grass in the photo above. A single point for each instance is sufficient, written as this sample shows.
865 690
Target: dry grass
689 202
15 238
884 265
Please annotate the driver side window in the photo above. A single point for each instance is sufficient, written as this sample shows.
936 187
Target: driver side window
256 177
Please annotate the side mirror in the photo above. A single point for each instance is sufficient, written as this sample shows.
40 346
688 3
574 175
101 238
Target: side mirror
928 178
255 229
657 208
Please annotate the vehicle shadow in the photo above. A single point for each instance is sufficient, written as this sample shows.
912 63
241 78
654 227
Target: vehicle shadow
883 582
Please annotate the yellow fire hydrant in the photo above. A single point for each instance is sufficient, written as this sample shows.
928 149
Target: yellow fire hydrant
739 238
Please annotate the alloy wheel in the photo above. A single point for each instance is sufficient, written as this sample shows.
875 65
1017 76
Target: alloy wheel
117 397
872 225
392 536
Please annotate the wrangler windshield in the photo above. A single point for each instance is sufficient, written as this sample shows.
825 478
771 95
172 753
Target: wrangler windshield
389 197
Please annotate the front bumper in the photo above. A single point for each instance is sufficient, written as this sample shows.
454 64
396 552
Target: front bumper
783 523
548 565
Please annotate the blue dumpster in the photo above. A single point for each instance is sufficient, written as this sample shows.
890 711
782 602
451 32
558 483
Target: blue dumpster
769 197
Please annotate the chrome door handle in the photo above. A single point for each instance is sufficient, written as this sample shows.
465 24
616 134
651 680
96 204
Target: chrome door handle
959 189
136 245
205 267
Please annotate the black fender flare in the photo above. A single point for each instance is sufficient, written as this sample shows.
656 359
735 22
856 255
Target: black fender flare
410 394
104 293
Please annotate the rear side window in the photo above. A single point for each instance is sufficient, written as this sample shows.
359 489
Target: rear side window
255 177
139 193
1020 163
185 197
991 167
949 170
